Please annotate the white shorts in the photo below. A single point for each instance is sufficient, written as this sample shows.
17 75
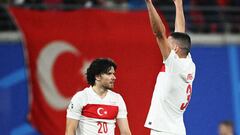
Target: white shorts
154 132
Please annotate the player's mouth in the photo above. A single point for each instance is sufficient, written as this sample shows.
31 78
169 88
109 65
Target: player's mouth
112 82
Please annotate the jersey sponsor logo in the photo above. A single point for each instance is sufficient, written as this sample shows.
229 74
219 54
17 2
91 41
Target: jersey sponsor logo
100 111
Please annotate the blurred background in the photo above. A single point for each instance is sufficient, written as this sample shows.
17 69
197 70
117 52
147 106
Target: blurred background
213 25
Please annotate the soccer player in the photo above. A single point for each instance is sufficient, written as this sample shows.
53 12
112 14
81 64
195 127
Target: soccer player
96 109
173 86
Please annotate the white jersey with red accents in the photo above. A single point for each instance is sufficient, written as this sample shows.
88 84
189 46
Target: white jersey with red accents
171 95
97 116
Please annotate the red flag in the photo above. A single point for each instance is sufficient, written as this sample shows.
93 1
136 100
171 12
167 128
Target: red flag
61 44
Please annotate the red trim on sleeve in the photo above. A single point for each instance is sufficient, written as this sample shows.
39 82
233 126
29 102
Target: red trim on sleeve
163 68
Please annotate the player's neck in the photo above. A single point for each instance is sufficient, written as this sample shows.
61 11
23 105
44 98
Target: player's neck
181 55
99 91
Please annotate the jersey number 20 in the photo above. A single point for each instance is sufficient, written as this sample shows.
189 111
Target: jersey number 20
102 127
189 93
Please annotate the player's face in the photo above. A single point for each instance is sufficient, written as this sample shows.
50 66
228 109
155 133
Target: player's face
107 80
225 130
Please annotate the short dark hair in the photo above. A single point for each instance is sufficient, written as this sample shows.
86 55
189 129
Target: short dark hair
183 39
97 67
227 123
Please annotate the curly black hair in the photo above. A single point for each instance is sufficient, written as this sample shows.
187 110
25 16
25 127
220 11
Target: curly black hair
99 66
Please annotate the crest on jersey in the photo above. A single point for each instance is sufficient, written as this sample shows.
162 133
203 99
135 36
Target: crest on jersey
101 111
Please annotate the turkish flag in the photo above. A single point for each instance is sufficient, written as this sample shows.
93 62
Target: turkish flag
61 44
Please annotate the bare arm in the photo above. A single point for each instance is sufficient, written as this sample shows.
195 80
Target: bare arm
158 29
71 126
180 19
123 126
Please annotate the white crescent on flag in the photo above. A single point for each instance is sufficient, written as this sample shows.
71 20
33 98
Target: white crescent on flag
45 62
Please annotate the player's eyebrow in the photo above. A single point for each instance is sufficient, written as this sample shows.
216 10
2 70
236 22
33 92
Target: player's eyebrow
111 72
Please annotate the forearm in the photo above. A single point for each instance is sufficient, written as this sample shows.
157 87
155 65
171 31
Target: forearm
71 126
180 19
127 133
123 126
70 131
155 21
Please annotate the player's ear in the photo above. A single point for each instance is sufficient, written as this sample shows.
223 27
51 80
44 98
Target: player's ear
176 48
98 77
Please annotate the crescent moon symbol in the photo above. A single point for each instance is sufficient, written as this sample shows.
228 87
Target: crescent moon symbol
45 62
98 111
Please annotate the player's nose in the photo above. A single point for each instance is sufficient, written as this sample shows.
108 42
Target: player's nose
114 77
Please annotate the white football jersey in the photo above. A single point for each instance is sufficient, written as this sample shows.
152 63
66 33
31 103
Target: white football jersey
96 116
171 95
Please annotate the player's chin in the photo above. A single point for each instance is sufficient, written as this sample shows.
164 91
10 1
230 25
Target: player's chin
111 86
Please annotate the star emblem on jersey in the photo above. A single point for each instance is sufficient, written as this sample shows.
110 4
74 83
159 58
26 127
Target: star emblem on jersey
101 111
